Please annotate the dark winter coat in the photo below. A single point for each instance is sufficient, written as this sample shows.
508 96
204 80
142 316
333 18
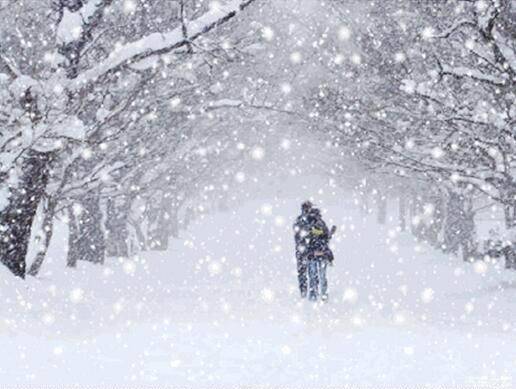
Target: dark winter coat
302 227
312 236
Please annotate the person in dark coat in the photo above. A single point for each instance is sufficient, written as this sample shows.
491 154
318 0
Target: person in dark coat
313 253
301 231
318 255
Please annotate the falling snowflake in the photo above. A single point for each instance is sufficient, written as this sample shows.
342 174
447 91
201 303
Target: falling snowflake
129 6
267 295
258 153
240 177
344 33
267 33
350 295
129 267
286 144
266 209
427 295
428 33
296 57
76 295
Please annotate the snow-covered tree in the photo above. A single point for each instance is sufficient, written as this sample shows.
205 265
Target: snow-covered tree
433 97
64 81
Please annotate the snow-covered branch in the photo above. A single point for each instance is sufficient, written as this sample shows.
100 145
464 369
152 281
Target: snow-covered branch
455 27
77 21
9 66
475 74
162 43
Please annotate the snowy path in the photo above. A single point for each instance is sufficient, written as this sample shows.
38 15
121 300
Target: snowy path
222 307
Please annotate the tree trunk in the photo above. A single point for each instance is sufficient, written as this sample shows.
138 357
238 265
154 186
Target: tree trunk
157 217
402 214
86 241
17 217
174 222
459 227
47 228
415 217
188 218
117 232
73 235
453 223
510 256
434 226
382 208
164 225
510 213
364 206
140 236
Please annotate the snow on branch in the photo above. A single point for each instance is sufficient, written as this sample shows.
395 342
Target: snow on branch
508 52
162 43
77 22
456 26
74 30
461 71
9 66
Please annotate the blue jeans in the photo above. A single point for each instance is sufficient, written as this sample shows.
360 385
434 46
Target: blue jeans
302 275
317 275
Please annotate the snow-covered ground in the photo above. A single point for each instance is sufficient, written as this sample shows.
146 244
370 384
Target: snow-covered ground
221 307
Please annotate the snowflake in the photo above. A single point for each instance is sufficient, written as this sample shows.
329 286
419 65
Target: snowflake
129 6
257 153
118 306
399 318
279 221
129 267
214 268
356 59
427 295
400 57
339 59
350 295
267 33
437 152
240 177
236 272
86 153
286 88
58 89
481 5
267 295
344 33
455 177
428 209
357 320
76 295
175 102
285 144
266 209
48 318
470 44
427 33
77 209
480 267
296 57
